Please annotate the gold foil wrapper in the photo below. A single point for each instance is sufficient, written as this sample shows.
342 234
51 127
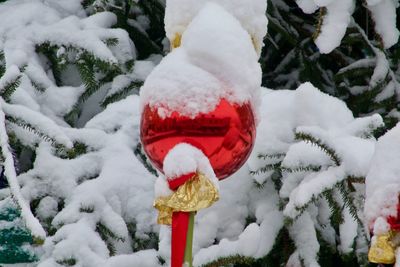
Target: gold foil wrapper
382 250
196 194
176 42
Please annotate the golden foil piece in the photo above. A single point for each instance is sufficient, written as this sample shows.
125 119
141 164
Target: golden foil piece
176 42
196 194
382 250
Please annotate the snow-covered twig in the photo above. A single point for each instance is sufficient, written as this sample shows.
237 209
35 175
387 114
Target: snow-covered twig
31 222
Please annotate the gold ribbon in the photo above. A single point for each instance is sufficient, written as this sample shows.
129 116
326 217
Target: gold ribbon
196 194
382 250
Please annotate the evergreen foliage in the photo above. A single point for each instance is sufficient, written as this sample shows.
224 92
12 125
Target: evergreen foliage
98 78
15 238
359 71
343 197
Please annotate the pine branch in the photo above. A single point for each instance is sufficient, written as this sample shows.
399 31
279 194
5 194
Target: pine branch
321 16
123 92
276 178
10 87
50 52
27 126
87 3
2 64
272 156
67 262
87 74
37 86
301 209
89 66
31 222
324 147
139 153
86 209
111 41
231 261
106 234
349 201
336 217
259 185
308 168
266 168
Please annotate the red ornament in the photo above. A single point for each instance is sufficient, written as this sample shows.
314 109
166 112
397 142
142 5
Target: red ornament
226 135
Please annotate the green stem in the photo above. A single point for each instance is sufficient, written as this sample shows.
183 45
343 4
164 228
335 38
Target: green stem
189 242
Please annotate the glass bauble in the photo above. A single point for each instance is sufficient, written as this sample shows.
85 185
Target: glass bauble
225 135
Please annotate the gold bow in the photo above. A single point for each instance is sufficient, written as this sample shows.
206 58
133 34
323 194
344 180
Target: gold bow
197 193
382 250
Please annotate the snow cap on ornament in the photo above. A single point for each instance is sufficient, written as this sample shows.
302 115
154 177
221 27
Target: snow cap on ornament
216 60
250 13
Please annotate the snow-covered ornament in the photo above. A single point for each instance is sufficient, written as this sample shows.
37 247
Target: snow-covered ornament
382 202
199 107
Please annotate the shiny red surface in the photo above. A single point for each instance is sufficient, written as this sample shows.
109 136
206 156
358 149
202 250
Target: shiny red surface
225 135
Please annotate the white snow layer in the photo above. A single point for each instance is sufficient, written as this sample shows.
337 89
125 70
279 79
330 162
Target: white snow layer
193 78
251 15
334 26
308 111
31 222
338 17
384 15
382 183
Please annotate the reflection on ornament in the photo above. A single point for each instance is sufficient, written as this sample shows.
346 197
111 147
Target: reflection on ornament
225 135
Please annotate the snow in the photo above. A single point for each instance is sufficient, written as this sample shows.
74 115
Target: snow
193 78
308 6
32 223
309 111
94 192
382 186
305 239
381 226
339 16
384 15
335 23
251 15
247 244
146 258
37 120
48 208
227 224
183 159
348 233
